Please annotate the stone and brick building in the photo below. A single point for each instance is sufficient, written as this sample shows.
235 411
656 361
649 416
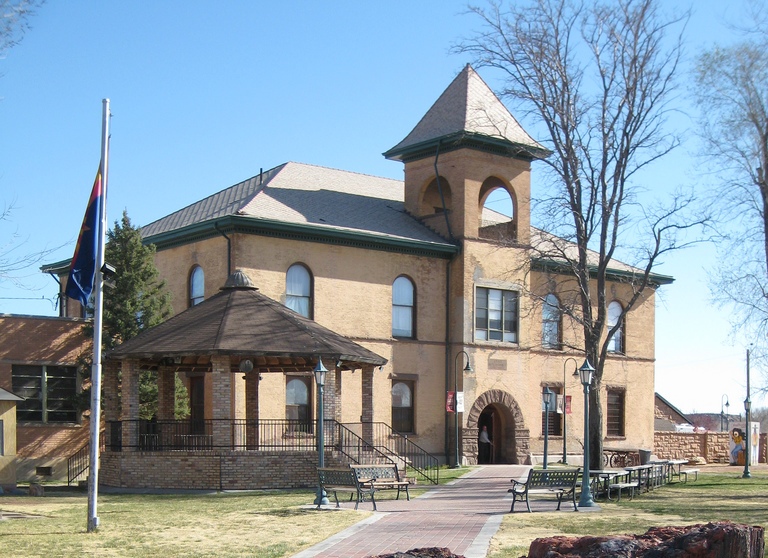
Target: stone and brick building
422 273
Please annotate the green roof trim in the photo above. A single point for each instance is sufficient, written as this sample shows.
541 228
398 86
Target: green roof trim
469 140
619 275
297 231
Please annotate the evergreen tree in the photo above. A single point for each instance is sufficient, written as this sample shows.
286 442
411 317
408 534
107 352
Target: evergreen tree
138 300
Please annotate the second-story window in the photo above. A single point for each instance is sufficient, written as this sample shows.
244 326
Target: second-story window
496 315
196 286
403 305
298 290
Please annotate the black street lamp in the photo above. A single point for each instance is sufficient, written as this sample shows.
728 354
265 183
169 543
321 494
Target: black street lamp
747 435
723 410
467 368
321 499
547 402
585 375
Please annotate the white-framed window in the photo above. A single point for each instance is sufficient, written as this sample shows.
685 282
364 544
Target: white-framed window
298 290
403 307
298 408
402 405
196 286
48 391
496 315
616 341
551 323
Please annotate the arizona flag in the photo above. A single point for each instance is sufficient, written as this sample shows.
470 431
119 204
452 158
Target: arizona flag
83 266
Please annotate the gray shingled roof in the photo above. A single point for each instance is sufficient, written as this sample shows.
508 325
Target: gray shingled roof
468 106
324 198
239 320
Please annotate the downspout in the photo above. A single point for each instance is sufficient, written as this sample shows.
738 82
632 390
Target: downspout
447 305
59 296
229 248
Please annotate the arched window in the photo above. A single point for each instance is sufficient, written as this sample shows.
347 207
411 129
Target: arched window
196 286
403 307
402 406
298 290
550 323
297 403
616 342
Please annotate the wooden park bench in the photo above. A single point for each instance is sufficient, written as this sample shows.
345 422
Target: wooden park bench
345 480
560 482
381 477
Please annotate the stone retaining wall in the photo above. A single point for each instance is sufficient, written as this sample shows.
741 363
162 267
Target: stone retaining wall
712 446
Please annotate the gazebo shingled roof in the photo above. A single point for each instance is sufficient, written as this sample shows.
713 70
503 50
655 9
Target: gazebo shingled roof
240 321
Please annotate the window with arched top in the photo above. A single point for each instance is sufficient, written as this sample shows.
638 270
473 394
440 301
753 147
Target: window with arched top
616 341
551 320
402 405
298 290
196 286
297 408
403 307
437 197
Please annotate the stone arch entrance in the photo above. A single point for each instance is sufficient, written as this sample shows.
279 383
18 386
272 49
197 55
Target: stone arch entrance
499 411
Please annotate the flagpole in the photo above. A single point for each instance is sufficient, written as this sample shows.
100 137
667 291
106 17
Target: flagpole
93 480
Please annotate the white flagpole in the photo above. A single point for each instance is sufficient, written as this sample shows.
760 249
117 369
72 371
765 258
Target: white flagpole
93 480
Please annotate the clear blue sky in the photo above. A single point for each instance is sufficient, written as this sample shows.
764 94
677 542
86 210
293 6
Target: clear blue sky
205 94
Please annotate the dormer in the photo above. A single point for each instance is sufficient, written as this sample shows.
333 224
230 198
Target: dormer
465 147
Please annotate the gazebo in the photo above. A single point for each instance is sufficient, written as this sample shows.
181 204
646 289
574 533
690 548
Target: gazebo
221 348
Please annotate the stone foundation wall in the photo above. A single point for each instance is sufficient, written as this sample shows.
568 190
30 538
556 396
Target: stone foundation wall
712 446
230 470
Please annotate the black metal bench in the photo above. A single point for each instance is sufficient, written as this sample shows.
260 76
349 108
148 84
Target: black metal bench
381 477
560 482
345 480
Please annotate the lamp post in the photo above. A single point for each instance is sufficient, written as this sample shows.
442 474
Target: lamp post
723 408
748 435
321 499
565 401
547 400
467 368
585 375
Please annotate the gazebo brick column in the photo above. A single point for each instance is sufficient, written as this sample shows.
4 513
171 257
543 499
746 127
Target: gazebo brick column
110 396
252 410
367 403
166 393
221 398
129 412
331 395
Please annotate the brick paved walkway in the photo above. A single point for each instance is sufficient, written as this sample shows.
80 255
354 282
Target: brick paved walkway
462 516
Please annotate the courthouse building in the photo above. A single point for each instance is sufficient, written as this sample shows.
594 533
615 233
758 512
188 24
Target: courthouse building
419 286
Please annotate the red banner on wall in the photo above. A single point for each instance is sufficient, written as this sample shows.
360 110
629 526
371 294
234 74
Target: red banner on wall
450 402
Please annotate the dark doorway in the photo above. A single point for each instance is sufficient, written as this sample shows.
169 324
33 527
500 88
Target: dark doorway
491 419
197 404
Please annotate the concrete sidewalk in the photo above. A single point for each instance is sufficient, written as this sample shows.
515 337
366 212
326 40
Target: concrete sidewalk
461 516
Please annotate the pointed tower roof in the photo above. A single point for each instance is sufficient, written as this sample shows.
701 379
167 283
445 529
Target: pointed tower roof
467 114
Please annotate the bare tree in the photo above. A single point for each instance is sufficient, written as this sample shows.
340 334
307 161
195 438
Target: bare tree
732 94
14 21
598 78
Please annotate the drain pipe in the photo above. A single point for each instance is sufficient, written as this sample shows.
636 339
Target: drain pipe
229 248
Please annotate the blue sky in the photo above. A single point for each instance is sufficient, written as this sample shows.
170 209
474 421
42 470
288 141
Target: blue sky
203 95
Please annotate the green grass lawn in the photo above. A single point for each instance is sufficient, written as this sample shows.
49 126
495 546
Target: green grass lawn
717 496
279 523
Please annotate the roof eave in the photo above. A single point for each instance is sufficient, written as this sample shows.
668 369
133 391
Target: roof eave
309 232
656 280
470 140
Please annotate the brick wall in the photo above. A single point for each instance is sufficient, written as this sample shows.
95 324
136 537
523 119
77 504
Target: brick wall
230 470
